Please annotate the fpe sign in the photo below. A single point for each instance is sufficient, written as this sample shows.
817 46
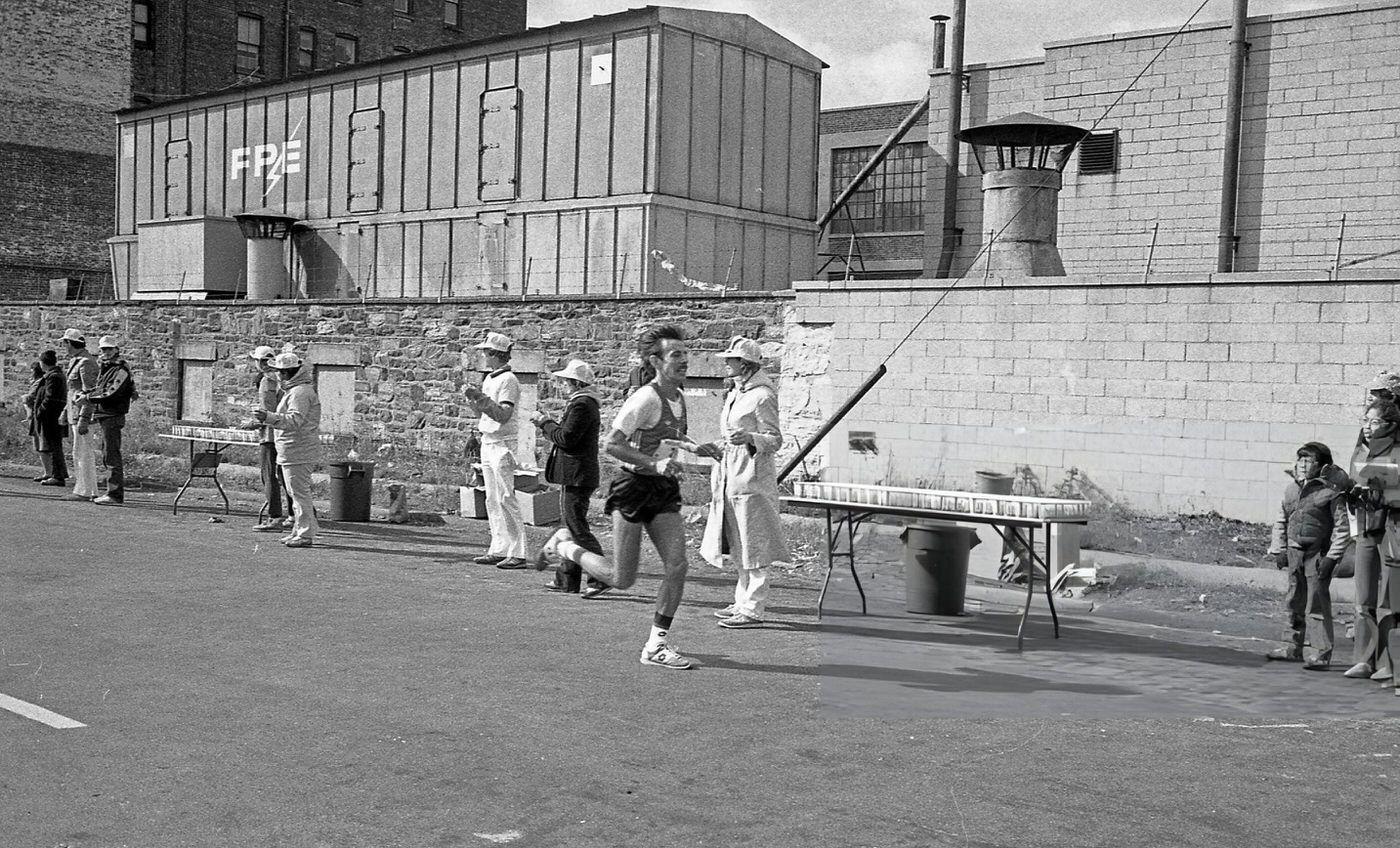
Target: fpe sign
268 161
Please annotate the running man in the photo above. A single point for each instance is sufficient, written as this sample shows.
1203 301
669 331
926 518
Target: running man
645 495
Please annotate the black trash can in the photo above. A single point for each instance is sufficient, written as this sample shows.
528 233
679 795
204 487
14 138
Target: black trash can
350 490
935 567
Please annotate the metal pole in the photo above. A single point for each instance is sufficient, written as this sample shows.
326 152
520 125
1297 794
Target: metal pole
834 420
1151 249
1341 235
1230 170
879 156
952 151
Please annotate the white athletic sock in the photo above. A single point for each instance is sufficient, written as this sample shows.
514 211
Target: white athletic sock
657 638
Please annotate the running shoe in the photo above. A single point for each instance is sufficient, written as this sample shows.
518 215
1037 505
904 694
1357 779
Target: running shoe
666 657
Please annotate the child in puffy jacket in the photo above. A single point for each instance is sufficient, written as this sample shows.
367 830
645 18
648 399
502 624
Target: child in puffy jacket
1309 538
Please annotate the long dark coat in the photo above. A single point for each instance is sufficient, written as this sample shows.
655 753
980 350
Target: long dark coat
49 403
573 461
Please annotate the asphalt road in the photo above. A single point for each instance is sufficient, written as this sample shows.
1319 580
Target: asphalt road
379 690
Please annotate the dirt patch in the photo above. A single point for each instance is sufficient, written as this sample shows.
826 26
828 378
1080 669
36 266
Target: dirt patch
1211 538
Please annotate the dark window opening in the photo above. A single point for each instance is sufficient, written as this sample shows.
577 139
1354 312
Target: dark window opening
248 60
306 49
1098 153
890 200
141 23
347 50
451 13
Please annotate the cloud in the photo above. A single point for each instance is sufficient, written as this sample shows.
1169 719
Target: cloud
897 70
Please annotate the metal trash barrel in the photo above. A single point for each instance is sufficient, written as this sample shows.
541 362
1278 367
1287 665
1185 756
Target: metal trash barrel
994 483
935 567
350 490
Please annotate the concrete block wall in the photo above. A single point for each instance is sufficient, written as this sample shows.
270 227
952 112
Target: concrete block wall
1318 141
1184 397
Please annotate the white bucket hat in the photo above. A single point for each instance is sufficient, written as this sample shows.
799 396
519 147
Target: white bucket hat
578 370
107 341
262 352
73 335
497 342
286 360
745 349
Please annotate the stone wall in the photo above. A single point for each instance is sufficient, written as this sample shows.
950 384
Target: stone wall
409 361
1183 397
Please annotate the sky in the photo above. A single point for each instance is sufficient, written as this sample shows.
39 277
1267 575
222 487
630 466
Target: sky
879 51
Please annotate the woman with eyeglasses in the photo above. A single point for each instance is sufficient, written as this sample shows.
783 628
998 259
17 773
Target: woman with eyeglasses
1375 508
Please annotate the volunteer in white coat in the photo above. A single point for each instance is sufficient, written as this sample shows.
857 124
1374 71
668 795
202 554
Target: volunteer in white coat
496 402
744 485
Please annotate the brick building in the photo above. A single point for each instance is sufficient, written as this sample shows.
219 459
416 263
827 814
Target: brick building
69 64
1143 194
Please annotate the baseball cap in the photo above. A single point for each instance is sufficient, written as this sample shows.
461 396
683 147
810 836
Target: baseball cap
107 341
497 342
287 360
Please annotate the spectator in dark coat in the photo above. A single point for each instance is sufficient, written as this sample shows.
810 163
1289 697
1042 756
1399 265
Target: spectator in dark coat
111 401
46 426
36 382
573 464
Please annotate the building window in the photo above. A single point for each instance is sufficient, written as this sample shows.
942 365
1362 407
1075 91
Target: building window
347 50
1098 153
249 57
141 23
451 13
890 200
306 49
403 7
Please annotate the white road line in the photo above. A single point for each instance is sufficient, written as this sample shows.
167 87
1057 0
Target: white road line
28 710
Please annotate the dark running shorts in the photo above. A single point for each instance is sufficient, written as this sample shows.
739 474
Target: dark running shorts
641 497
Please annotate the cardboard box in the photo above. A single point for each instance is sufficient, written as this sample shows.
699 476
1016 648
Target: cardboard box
539 509
473 502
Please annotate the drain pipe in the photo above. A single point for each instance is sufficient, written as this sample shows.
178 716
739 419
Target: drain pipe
1234 107
954 148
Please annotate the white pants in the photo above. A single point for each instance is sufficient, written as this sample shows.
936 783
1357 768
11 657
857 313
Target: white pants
298 479
502 509
751 592
84 462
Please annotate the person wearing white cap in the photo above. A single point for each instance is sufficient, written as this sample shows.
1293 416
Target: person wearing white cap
297 426
743 520
81 373
495 403
111 401
573 464
269 391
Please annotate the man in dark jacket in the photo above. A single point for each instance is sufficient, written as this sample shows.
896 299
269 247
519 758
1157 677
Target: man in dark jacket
110 402
46 425
573 464
1308 540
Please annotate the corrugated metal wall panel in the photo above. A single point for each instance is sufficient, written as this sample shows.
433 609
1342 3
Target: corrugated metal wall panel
729 252
199 160
668 235
731 126
437 257
776 124
442 144
562 118
673 157
321 154
802 147
698 261
126 180
413 259
251 180
389 260
631 236
573 249
602 250
142 179
391 103
417 115
595 122
534 93
343 103
471 83
704 112
541 240
755 83
755 242
630 98
295 195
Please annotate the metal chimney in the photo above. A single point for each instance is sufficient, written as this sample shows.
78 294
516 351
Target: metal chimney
1021 157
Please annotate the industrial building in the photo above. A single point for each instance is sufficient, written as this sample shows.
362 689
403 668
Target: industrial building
69 64
642 151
